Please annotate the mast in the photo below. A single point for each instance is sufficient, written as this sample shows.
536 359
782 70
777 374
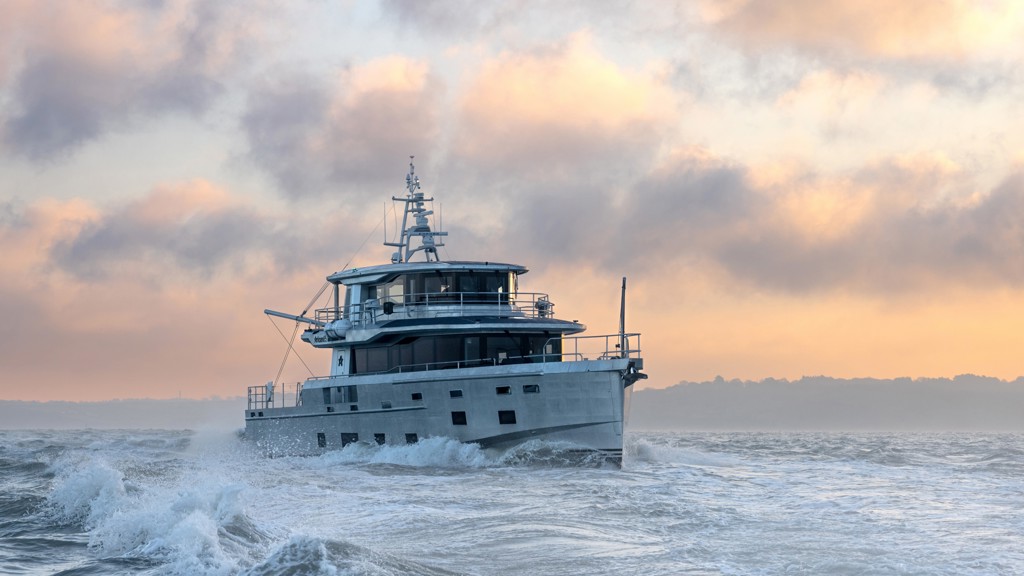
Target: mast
622 321
420 226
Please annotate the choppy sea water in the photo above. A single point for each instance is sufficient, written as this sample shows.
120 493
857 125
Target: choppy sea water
163 502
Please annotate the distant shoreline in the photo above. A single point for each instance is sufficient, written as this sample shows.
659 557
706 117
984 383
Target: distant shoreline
965 403
169 414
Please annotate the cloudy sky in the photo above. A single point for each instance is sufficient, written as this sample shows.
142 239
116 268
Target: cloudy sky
793 188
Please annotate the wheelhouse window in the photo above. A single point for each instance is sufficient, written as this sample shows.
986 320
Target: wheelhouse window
415 354
466 286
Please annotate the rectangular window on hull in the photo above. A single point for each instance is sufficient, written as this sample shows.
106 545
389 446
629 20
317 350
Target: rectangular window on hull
531 388
411 439
459 418
346 394
321 439
378 438
506 416
417 396
348 438
455 393
503 390
385 405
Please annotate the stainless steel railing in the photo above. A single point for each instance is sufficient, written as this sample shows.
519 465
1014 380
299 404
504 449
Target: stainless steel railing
443 304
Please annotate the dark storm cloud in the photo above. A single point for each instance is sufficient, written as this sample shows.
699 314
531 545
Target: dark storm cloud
685 211
195 239
319 138
73 82
203 244
896 249
703 212
440 17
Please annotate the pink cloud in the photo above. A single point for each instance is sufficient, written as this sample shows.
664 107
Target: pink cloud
147 298
876 28
562 106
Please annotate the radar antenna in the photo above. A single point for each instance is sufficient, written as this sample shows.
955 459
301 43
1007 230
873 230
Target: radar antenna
415 207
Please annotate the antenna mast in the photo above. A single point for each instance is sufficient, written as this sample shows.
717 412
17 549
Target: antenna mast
415 207
622 322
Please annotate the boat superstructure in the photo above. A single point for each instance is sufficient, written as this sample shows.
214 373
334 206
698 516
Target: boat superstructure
447 348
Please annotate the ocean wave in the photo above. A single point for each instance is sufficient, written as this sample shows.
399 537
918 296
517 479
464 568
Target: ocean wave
748 503
429 452
440 452
186 526
86 493
302 555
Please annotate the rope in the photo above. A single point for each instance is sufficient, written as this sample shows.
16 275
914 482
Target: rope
312 302
290 348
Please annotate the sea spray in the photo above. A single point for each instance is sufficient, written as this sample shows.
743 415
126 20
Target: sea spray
149 502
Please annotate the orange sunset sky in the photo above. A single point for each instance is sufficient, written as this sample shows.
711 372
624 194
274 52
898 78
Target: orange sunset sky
793 188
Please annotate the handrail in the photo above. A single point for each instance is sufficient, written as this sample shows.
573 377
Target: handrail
603 351
266 396
442 304
574 349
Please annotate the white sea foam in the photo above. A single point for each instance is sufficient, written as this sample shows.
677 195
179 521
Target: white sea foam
435 452
742 504
191 523
86 492
310 555
448 453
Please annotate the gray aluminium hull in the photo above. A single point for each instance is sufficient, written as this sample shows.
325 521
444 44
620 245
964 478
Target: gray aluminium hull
496 407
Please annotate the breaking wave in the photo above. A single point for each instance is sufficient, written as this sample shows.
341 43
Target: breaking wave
308 555
170 503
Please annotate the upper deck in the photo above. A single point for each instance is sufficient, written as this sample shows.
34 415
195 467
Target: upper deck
378 273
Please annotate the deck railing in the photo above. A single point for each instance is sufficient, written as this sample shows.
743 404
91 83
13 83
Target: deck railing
600 347
270 396
442 305
574 349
